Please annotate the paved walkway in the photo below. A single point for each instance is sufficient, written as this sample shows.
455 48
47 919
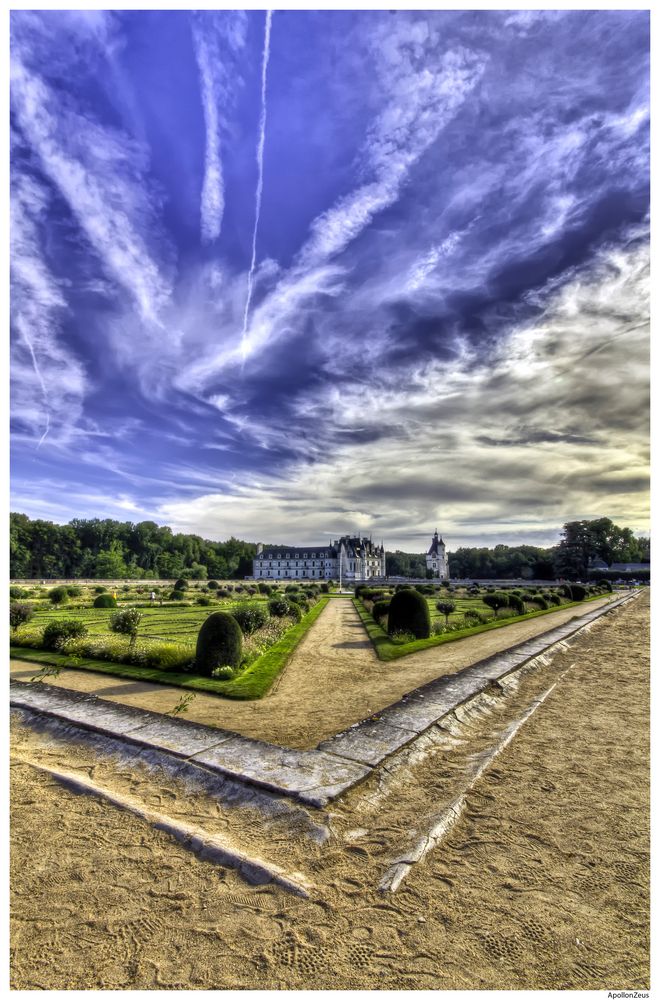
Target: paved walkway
333 679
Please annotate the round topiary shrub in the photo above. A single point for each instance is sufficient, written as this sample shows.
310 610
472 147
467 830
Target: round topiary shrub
380 609
541 602
555 599
204 601
278 606
213 584
409 612
605 585
578 592
295 612
219 643
58 595
105 601
250 616
516 603
177 595
496 600
100 590
180 584
19 614
74 591
56 633
446 608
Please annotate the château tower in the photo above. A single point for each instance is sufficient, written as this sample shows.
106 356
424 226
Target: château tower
436 558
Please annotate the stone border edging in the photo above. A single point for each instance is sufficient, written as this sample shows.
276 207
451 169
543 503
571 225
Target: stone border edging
314 777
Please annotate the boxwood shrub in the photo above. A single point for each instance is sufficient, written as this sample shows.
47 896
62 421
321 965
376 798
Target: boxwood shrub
57 632
219 643
380 609
105 601
58 595
250 616
409 612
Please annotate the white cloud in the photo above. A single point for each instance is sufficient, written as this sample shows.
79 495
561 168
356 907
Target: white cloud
217 84
48 382
92 168
552 426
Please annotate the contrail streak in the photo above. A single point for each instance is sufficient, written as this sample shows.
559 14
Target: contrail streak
37 372
260 178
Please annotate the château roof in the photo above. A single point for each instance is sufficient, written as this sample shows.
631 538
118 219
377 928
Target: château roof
354 547
435 545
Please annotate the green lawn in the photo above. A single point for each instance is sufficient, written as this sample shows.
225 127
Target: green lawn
388 650
180 625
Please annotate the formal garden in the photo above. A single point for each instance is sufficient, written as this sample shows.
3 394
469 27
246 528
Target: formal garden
234 639
405 619
228 638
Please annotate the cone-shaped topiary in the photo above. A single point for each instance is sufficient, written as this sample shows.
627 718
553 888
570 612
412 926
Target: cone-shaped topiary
409 612
219 643
105 601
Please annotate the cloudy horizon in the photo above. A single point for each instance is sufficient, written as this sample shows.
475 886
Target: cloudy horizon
293 275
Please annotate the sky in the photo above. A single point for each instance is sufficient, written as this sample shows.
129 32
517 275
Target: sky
288 275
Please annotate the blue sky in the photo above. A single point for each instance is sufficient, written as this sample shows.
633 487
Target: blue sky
439 319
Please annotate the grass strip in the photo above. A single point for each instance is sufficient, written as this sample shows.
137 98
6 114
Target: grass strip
387 650
259 676
254 682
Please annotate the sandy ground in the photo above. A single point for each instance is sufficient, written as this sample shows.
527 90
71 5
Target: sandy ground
543 884
333 679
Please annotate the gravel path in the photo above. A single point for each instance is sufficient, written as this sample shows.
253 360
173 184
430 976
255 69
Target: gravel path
542 884
333 679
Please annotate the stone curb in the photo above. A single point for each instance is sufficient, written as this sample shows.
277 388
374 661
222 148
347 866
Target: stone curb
314 777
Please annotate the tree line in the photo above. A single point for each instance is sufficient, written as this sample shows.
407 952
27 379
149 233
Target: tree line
107 549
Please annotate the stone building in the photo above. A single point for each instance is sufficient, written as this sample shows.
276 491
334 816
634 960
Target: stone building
436 558
353 559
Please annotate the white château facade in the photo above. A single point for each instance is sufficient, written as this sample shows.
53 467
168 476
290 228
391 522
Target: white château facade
349 558
436 558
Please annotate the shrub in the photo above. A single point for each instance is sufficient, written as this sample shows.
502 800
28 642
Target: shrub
325 588
204 601
105 601
402 586
540 602
250 616
223 673
100 590
295 612
58 595
180 584
74 591
213 584
409 612
516 603
566 590
177 595
578 592
472 617
56 633
19 614
445 608
496 600
263 588
222 592
16 593
278 606
126 622
555 599
219 643
380 609
605 585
